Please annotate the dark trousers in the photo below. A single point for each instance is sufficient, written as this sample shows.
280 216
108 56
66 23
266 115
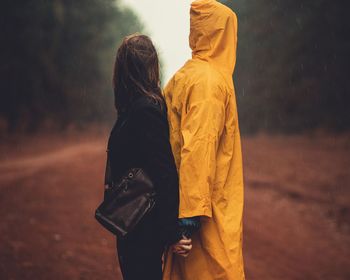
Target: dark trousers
140 253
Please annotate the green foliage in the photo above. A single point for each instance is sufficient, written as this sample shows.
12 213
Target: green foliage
291 72
57 59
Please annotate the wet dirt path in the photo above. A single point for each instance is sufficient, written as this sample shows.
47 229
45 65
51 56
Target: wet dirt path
296 211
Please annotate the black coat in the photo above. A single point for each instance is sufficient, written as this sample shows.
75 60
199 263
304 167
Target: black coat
140 138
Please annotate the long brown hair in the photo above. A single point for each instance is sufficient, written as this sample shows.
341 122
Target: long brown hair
136 71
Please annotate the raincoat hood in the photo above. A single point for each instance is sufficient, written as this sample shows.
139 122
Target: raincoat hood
213 35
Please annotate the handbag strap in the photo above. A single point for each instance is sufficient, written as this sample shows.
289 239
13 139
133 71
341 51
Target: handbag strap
108 181
108 173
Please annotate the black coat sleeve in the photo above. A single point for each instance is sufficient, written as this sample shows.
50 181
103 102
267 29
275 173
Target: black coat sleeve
150 131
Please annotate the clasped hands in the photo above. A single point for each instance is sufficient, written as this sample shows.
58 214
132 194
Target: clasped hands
182 247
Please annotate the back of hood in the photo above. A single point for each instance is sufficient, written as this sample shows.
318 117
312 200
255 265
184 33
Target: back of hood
213 35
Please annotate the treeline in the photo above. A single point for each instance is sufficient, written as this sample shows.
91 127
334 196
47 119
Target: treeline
292 70
57 58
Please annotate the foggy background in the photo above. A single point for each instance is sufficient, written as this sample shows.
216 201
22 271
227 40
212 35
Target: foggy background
57 58
167 22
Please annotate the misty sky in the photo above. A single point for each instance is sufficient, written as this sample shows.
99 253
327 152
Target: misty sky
168 23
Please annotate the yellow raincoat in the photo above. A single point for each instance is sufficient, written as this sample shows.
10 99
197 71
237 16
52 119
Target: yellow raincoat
205 139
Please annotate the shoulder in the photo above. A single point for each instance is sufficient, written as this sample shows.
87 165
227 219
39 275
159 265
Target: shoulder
146 103
146 108
199 72
206 82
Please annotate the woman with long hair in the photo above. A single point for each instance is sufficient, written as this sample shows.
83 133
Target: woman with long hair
140 138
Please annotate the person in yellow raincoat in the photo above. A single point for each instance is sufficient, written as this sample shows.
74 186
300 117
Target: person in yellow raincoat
205 139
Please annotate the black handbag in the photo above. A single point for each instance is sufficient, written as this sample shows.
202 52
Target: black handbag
126 202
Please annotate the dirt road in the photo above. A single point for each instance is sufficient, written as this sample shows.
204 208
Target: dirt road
297 211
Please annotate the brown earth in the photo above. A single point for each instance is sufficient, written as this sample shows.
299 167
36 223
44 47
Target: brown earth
297 210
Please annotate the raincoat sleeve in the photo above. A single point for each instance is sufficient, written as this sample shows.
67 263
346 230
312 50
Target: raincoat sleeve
202 122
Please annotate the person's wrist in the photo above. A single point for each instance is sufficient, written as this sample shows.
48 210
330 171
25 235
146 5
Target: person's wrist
177 236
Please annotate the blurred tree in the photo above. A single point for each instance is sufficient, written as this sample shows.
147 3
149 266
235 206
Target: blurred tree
292 64
57 58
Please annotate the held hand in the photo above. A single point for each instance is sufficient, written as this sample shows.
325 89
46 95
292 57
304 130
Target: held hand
183 247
